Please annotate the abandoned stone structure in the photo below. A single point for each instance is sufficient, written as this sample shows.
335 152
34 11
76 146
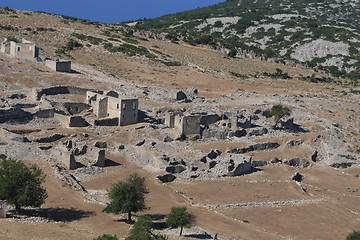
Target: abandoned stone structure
190 124
68 153
59 65
21 48
111 106
3 209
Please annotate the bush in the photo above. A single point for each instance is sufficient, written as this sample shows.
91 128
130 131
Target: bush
354 236
106 237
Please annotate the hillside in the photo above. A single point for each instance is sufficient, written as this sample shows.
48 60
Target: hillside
319 34
320 140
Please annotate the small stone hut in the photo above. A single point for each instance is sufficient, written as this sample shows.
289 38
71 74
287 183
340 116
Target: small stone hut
21 48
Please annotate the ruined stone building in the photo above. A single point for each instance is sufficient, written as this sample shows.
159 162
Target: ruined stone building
190 124
59 65
111 106
21 48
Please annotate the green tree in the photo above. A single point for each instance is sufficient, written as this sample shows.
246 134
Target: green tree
179 217
355 235
128 196
20 185
107 237
279 112
142 230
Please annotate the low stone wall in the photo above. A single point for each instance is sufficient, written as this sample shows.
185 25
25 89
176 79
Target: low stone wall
45 113
63 90
78 121
107 122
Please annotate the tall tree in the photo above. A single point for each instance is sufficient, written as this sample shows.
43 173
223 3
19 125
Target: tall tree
20 185
179 217
128 196
279 112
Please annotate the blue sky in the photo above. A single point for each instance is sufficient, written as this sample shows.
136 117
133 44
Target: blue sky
109 11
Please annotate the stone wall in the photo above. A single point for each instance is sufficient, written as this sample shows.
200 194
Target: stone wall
59 66
63 90
63 155
107 122
45 113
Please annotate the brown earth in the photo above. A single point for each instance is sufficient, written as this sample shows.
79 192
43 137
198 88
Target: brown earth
333 218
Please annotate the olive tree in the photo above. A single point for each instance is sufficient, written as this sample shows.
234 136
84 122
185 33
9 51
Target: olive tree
279 112
179 217
20 185
127 196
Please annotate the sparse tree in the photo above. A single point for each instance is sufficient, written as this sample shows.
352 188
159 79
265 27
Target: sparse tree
20 185
107 237
128 196
279 112
142 230
355 235
179 217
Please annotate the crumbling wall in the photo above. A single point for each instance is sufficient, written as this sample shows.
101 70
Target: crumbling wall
63 90
170 120
209 119
78 121
66 157
106 122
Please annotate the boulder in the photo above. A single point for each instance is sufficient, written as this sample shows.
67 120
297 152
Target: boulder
259 163
101 144
212 164
180 95
168 139
295 142
297 177
167 178
140 143
240 133
259 132
175 169
121 147
297 162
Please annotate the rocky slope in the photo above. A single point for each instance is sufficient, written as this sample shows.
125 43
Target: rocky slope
320 34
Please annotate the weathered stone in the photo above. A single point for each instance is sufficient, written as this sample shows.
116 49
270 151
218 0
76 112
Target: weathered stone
101 144
276 160
167 178
259 163
314 157
175 169
213 154
140 143
212 164
293 143
168 139
297 162
45 147
297 177
240 133
259 132
180 95
203 159
121 147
